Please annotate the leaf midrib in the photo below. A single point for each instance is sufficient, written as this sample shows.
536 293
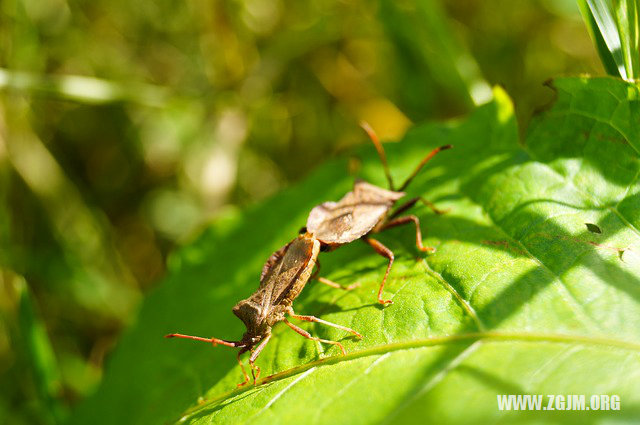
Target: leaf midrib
491 336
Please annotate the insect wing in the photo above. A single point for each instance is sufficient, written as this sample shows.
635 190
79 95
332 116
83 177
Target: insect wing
353 216
273 260
288 274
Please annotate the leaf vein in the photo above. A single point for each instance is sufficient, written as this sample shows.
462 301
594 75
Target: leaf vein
489 336
466 305
435 380
281 393
569 297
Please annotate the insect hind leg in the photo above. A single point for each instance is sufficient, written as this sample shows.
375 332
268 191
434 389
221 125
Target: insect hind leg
336 285
387 253
331 283
324 322
410 203
307 335
406 220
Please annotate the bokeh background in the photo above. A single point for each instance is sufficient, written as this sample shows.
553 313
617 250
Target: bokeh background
126 127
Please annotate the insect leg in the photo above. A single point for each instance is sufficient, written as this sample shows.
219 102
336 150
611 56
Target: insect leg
337 285
255 370
402 208
385 252
410 203
308 336
324 322
330 282
419 167
244 372
433 207
405 220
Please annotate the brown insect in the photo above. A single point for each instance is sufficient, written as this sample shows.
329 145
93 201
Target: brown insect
283 277
357 215
365 211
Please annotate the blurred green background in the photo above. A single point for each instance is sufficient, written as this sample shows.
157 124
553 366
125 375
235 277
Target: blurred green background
125 127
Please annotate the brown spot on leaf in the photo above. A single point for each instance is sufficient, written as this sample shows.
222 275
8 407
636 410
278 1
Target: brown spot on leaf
583 241
505 245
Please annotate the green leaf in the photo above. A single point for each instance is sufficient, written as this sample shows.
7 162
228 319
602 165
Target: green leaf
613 26
520 297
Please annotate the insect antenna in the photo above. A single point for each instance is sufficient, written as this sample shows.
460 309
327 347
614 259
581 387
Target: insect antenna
383 157
214 341
419 167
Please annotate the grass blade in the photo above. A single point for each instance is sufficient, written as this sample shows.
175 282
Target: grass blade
613 26
601 46
626 14
41 356
602 13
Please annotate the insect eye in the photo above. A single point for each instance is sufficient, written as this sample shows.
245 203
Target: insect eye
302 230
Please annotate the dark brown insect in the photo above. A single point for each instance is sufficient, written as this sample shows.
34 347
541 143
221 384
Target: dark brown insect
360 213
365 211
283 277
